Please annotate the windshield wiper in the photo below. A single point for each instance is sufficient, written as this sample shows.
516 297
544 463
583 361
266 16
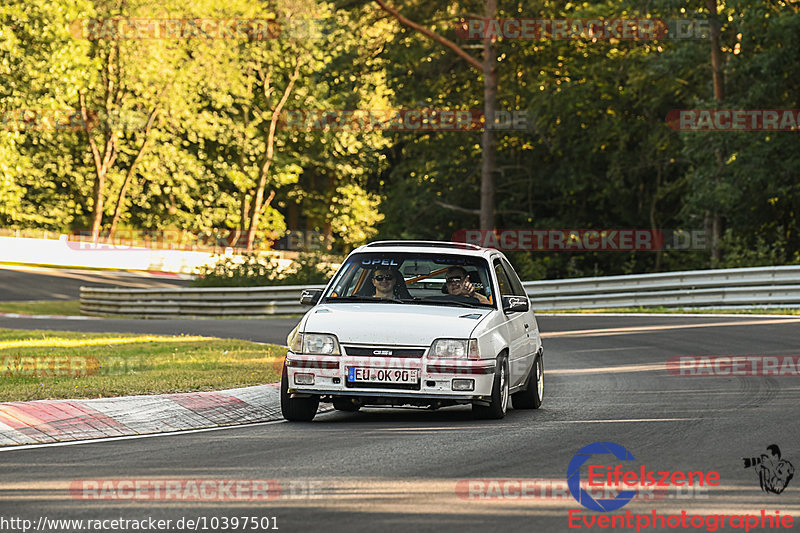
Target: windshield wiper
351 298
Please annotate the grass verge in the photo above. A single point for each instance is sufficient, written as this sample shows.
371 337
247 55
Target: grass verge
43 307
753 311
36 365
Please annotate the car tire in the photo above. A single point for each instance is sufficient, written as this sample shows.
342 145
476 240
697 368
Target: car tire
532 396
345 404
296 409
499 402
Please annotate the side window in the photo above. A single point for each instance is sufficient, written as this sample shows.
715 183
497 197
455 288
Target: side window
516 285
502 279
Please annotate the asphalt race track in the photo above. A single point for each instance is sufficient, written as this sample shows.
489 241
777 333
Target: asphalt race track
414 470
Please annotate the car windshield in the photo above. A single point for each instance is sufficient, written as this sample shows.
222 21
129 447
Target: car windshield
413 278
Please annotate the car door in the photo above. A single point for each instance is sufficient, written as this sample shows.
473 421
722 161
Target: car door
531 327
518 363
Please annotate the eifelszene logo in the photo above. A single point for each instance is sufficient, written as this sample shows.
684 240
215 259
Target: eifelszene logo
774 473
617 477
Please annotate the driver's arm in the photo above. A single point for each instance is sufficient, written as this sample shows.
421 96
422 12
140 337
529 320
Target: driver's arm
472 293
481 298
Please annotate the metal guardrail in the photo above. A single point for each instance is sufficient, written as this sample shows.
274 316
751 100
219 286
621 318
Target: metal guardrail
733 287
737 287
183 302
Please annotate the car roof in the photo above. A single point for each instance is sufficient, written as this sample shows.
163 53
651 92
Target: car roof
427 246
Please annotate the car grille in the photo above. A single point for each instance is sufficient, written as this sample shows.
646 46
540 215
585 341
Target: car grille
384 352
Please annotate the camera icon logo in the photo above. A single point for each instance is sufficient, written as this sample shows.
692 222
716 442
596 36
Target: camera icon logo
574 477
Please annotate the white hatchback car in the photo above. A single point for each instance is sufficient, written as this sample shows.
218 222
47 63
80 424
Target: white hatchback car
416 323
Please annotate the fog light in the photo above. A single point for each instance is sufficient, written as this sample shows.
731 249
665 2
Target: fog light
464 384
304 379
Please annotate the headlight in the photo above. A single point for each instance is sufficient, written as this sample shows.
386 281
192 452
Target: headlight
320 344
295 340
455 349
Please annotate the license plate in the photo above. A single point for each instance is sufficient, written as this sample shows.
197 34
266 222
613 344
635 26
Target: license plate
382 375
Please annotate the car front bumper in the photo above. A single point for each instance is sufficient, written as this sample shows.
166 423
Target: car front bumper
436 377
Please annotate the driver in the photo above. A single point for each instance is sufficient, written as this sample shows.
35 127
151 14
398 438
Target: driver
384 282
458 284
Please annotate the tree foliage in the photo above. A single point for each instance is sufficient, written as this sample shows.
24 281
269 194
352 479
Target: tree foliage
185 135
256 270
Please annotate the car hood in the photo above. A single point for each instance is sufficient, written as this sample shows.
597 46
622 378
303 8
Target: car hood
393 324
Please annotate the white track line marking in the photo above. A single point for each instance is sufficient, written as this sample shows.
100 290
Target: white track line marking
49 317
645 329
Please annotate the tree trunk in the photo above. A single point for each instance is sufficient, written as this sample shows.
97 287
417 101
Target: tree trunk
244 216
328 235
244 205
97 192
103 162
328 227
716 74
291 222
719 94
489 144
129 175
258 204
101 165
489 70
654 221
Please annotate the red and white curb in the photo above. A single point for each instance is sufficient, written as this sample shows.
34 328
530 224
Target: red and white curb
48 421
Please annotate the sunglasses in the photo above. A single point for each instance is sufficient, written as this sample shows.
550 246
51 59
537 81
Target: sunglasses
383 278
455 279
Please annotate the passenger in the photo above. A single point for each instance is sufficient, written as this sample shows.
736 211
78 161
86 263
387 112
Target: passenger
458 284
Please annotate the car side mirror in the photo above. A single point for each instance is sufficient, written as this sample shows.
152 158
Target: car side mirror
310 296
515 304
